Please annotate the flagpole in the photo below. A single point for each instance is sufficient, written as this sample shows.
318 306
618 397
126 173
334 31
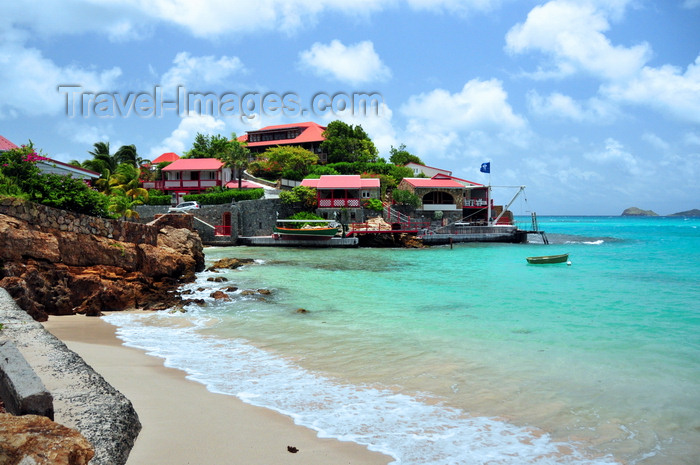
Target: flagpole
489 199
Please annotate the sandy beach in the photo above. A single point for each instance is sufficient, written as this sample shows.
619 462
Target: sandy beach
183 423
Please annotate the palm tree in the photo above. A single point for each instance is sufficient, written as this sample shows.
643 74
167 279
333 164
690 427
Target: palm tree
123 205
127 180
235 155
128 154
102 160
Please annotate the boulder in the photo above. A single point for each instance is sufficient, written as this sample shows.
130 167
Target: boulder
53 272
230 263
33 439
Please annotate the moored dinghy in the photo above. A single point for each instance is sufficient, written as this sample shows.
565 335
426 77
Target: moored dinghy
545 259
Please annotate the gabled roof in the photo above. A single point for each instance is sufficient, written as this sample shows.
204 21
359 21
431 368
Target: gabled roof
411 163
195 164
464 182
434 183
49 165
338 181
6 144
308 132
168 156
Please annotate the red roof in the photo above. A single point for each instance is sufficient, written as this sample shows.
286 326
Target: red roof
459 180
309 132
433 183
6 145
168 156
337 181
195 164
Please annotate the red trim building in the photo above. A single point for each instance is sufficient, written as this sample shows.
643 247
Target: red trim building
191 176
308 135
343 191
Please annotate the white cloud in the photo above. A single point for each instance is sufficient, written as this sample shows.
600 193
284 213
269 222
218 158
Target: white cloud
30 81
572 35
354 64
557 105
691 4
467 123
180 140
615 155
479 104
666 88
201 71
460 7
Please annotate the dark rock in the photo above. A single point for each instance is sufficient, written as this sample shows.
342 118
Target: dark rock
219 295
230 263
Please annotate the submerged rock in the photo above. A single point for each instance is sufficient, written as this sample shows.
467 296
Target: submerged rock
230 263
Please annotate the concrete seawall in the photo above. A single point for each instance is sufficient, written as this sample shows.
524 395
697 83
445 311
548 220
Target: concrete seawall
83 400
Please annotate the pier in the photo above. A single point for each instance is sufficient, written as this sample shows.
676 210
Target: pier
269 241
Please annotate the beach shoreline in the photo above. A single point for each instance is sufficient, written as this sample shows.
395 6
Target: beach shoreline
183 422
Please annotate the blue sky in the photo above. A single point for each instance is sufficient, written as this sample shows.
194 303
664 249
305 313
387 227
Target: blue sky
594 105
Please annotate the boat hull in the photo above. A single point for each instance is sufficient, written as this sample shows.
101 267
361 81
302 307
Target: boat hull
546 259
317 234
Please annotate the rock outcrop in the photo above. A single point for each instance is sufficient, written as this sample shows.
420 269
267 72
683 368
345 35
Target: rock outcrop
634 211
51 271
37 440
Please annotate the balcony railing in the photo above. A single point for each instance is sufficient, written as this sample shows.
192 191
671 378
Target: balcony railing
475 202
339 203
181 184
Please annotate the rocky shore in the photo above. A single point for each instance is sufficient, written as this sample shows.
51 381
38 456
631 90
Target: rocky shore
52 268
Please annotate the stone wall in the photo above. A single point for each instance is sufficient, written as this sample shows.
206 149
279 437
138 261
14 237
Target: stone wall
61 220
258 217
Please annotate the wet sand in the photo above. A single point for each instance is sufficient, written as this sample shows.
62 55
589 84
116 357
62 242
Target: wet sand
183 423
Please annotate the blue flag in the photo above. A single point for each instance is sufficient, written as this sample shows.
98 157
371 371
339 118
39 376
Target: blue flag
486 167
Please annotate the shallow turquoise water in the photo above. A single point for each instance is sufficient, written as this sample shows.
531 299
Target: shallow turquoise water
465 354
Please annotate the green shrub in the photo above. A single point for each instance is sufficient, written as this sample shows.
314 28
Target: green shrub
304 216
403 197
373 204
71 194
227 196
300 194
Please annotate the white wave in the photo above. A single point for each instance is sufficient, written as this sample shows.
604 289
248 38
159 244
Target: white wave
410 430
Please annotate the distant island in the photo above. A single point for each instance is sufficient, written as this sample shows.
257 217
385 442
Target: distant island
634 211
693 212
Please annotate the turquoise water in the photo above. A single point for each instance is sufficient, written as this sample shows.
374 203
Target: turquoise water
464 355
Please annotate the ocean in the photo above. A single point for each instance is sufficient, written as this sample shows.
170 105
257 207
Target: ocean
463 354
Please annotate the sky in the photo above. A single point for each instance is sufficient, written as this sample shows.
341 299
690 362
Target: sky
593 105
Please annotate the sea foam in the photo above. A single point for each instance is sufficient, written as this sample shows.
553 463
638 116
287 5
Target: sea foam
407 428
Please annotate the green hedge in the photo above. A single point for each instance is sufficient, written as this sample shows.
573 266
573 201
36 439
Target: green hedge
228 196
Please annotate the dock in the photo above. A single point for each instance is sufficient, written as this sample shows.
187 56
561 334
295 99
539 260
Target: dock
269 241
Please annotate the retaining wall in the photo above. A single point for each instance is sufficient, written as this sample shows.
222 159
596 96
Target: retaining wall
47 217
83 400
